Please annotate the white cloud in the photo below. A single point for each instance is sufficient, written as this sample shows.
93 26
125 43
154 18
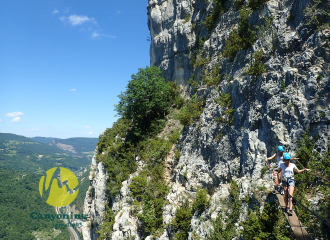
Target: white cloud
89 133
0 120
76 20
118 12
87 127
33 129
14 114
55 11
16 120
73 90
96 34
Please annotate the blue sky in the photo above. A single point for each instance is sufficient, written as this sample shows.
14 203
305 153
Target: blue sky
64 62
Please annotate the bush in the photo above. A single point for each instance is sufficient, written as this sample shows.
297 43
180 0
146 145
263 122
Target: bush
181 222
214 77
257 67
218 9
270 224
201 202
150 189
241 38
192 111
225 101
107 224
177 100
320 166
184 214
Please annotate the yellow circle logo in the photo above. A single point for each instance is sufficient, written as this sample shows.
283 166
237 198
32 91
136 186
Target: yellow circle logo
59 197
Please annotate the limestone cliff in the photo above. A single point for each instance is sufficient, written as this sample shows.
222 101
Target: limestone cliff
272 108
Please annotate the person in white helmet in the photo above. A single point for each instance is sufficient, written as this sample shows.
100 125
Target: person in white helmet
288 180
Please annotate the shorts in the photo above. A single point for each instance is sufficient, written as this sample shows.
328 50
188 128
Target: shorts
288 182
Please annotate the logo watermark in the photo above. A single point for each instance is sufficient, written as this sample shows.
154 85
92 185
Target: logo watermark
59 197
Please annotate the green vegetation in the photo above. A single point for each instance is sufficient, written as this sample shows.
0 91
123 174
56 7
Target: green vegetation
143 108
192 82
322 114
83 187
184 214
225 101
245 35
318 14
201 60
290 105
319 77
24 154
290 18
106 227
320 166
181 222
255 4
150 189
218 9
283 85
82 146
192 110
241 38
229 231
214 77
186 19
270 224
257 67
146 102
239 3
19 198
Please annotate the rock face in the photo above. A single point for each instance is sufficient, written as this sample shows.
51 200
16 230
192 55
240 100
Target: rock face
95 201
62 146
271 109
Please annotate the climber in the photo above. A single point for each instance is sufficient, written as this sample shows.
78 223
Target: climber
279 158
288 180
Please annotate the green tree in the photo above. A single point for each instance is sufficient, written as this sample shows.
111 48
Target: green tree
146 100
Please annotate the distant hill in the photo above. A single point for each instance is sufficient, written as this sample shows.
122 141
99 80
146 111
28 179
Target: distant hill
25 154
79 146
22 161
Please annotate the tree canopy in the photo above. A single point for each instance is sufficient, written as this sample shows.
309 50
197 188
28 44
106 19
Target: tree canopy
147 99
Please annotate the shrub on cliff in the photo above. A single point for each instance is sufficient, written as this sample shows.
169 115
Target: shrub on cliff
146 100
192 111
241 38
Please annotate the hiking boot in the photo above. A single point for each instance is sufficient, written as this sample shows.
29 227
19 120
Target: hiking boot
286 209
282 191
279 189
290 213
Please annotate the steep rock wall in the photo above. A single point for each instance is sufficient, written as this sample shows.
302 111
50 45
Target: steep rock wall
95 200
271 109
